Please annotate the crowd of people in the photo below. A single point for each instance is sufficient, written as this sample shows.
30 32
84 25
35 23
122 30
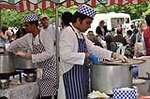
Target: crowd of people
70 80
128 43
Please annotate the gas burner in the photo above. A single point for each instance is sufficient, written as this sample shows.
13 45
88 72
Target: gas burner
29 74
30 77
5 79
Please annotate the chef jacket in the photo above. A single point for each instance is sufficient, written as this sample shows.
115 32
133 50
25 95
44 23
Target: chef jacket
69 54
26 42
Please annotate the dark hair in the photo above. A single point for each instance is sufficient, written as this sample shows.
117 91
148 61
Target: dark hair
66 18
34 22
98 30
79 15
3 97
129 32
147 18
4 28
119 31
21 32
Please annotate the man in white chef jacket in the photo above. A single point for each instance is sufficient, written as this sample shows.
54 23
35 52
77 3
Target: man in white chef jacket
46 26
42 49
75 50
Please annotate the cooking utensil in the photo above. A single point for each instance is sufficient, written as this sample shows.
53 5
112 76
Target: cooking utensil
114 74
23 63
6 63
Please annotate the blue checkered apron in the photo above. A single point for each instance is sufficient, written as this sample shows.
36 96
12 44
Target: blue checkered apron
76 80
48 85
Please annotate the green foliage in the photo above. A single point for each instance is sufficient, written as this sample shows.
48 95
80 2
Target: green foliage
14 18
10 18
136 11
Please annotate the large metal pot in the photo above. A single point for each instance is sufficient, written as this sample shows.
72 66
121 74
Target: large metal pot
6 63
23 63
105 77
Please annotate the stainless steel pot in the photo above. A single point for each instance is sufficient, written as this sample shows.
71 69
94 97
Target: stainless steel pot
6 63
23 63
105 77
109 75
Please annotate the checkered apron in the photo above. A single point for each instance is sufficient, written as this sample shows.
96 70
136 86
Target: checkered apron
76 80
48 85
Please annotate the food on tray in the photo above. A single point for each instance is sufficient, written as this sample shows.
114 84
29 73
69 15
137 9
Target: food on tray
97 94
119 62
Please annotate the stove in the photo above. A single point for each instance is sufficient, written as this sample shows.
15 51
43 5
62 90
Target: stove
5 79
29 74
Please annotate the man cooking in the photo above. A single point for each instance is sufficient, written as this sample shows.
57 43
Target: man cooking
76 53
41 44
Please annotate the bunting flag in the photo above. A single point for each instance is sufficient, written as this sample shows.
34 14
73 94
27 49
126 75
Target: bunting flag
122 2
68 3
136 1
22 5
6 6
93 3
52 5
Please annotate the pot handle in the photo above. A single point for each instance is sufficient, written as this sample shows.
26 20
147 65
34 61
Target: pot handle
132 66
134 71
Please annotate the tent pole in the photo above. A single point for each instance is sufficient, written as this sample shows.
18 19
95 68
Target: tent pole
0 19
57 34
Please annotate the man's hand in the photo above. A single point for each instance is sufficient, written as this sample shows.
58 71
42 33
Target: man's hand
23 54
119 57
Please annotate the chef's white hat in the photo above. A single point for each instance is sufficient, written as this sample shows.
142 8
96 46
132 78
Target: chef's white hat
30 18
87 10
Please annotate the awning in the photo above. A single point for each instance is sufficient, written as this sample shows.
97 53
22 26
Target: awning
123 2
22 5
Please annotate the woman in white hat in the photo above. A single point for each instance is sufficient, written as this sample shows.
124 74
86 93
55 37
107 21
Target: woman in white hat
42 54
75 50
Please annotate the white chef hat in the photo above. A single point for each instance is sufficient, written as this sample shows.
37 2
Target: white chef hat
30 18
87 10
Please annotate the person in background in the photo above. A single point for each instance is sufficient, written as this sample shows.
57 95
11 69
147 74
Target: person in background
3 34
146 35
91 36
101 30
11 35
128 37
46 27
66 19
129 52
119 37
76 52
110 44
42 53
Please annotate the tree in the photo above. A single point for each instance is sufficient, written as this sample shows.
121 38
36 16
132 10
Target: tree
14 19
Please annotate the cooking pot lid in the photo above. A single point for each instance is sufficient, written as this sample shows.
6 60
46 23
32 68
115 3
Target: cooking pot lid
119 62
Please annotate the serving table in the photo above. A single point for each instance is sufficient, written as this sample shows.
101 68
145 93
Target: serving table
25 90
